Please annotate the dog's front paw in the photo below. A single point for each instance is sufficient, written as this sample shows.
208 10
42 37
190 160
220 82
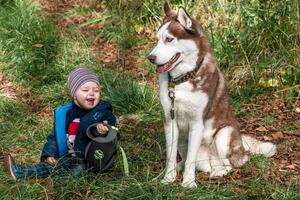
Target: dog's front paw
189 181
169 178
189 184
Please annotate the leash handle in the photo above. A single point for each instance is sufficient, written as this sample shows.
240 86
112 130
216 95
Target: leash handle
172 97
111 135
172 111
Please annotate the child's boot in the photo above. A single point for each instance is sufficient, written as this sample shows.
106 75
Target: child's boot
23 172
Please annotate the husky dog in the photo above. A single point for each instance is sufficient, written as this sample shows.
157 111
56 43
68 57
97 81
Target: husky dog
199 122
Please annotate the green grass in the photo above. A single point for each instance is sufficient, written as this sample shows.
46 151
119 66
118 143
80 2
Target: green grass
17 121
260 162
269 119
35 53
129 97
146 165
14 119
260 37
30 43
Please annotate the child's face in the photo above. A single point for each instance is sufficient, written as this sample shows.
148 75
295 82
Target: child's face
88 95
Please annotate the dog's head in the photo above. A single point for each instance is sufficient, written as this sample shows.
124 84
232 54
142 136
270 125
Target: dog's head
180 41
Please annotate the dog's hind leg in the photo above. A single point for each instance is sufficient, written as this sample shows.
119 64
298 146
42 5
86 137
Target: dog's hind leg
219 161
171 134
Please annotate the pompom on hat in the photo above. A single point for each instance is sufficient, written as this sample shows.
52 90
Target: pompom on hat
78 77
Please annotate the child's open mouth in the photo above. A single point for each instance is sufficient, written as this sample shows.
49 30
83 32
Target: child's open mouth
91 101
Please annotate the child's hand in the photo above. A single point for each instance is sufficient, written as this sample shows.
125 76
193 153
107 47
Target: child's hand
102 127
51 160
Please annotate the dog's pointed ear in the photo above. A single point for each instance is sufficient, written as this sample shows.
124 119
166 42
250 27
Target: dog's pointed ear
167 9
184 19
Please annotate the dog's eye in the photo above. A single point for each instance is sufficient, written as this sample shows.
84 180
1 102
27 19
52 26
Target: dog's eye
168 39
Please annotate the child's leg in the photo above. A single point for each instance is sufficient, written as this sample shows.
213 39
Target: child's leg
72 166
78 170
66 166
41 170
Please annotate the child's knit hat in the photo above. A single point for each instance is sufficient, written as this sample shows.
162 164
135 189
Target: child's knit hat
78 77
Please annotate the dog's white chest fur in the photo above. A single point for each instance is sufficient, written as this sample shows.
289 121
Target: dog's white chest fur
188 103
189 107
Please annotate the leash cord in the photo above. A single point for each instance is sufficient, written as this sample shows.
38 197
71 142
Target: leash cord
171 95
125 161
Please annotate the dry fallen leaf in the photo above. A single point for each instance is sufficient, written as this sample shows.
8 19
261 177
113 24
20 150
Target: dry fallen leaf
292 166
261 129
180 194
274 196
38 45
22 137
277 135
267 138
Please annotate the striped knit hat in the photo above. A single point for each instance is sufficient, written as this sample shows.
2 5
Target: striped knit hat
78 77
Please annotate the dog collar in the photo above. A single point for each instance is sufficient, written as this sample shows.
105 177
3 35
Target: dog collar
183 78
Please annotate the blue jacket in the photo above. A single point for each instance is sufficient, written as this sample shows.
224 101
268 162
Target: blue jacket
56 145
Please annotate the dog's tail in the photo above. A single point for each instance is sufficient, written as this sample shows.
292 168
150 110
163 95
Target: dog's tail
258 147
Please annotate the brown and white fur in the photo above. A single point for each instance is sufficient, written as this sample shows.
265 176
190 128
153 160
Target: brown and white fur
204 131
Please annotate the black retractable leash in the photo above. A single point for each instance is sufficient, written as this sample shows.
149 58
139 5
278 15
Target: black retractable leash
101 152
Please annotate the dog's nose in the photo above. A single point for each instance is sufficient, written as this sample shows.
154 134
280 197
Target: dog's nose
152 58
